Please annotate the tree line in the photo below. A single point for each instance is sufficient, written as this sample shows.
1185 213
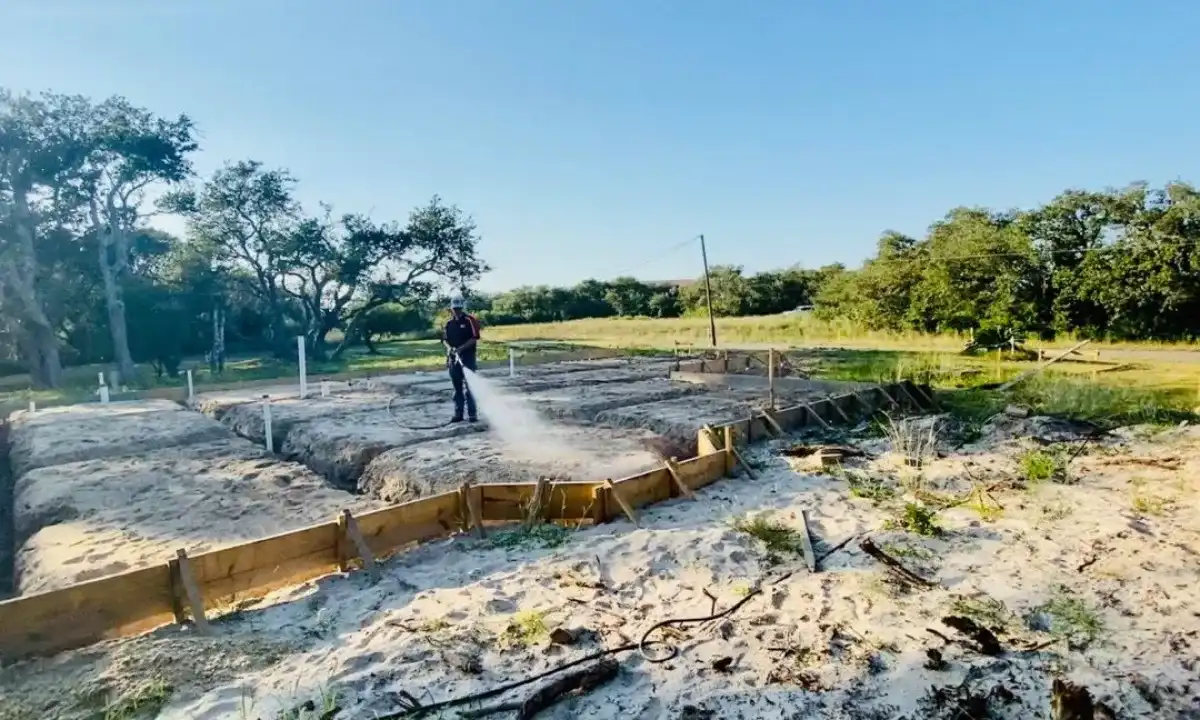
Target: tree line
85 278
1122 264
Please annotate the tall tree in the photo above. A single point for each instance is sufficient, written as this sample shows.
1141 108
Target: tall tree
129 150
385 264
247 215
41 144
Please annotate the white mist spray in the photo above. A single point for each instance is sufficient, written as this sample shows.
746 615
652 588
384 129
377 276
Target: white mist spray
526 435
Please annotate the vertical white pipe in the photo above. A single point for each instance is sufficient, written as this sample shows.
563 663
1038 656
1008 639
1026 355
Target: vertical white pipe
771 378
191 387
268 436
104 394
32 406
324 388
303 366
102 378
512 362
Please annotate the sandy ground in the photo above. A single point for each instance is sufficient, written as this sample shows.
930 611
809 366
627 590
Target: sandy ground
82 432
1091 577
585 402
83 520
565 453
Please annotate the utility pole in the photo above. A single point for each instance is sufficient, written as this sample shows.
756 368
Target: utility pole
712 322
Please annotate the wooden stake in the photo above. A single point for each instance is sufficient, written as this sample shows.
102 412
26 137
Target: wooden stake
865 405
820 420
810 557
474 514
360 543
534 513
909 395
342 543
191 590
599 505
673 471
1043 366
928 397
625 506
838 409
773 424
731 448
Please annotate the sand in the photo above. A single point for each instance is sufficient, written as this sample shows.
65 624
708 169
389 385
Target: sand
83 520
567 453
54 436
1114 555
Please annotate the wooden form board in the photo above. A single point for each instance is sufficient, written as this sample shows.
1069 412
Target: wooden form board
867 401
140 600
86 613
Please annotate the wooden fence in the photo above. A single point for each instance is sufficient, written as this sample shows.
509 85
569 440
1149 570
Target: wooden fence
188 587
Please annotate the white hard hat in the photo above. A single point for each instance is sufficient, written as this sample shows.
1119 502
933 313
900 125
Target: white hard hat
457 303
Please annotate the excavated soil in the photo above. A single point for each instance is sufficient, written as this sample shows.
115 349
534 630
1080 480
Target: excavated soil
565 453
353 440
340 447
82 520
84 432
585 402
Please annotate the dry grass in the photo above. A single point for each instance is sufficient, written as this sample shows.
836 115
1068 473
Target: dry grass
778 330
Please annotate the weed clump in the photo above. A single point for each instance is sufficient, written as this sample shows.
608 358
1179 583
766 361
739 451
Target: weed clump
1038 466
776 537
1071 618
543 535
918 519
526 629
869 488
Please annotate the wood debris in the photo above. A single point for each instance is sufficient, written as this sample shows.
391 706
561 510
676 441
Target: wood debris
903 573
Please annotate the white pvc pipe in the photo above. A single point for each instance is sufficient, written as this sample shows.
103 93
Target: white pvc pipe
303 366
324 388
32 406
104 394
191 387
268 436
512 362
102 383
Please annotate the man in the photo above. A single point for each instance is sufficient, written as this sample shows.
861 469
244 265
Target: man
460 337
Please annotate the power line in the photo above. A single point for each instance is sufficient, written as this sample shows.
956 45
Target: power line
670 251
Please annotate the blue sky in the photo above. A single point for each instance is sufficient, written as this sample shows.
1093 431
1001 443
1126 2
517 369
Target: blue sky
589 137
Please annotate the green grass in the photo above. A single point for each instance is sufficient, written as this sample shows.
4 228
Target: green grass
1071 617
867 487
144 702
80 382
542 535
1154 391
776 537
983 609
1038 466
918 519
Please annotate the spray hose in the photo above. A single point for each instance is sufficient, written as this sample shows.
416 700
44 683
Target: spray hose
452 359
